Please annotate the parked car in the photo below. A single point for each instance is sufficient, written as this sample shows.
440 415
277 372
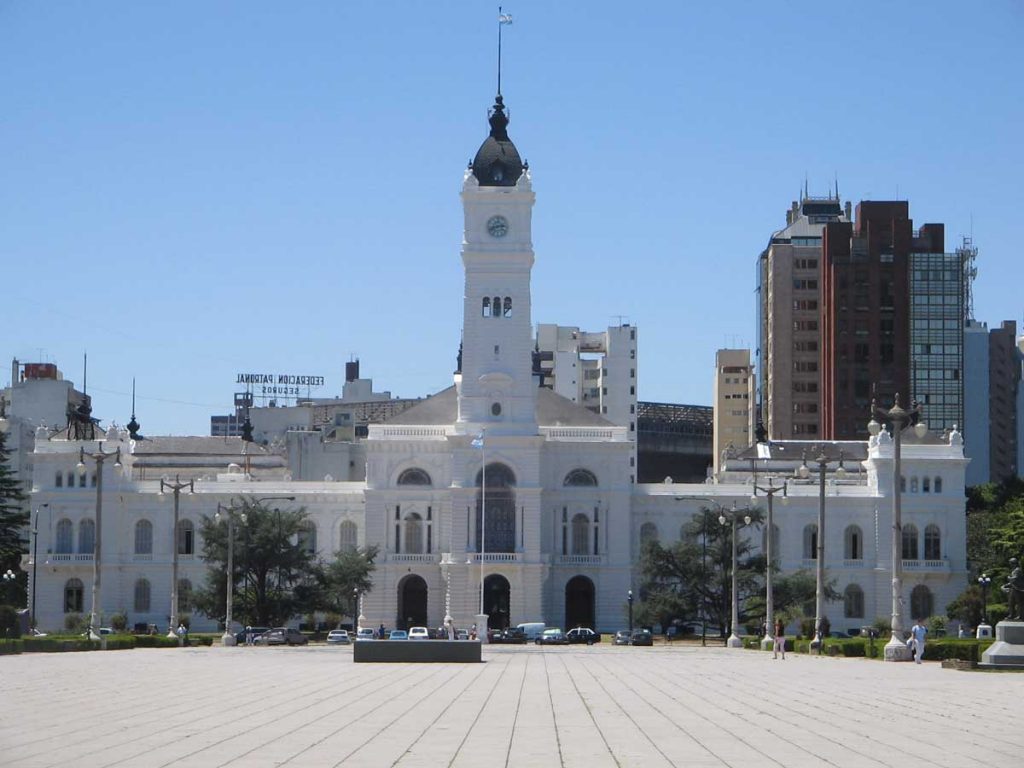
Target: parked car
552 636
509 636
583 635
419 633
462 634
642 637
366 633
282 636
338 637
398 634
622 637
255 631
532 629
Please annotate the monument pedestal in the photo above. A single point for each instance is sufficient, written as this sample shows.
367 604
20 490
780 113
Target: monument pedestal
1008 649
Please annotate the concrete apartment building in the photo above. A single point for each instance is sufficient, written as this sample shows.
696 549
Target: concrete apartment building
734 392
789 334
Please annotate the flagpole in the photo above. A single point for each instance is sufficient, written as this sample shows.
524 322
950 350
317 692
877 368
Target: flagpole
483 520
499 50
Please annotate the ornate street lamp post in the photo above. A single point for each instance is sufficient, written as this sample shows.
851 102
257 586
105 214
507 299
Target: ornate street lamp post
769 601
896 649
727 517
176 488
99 456
629 599
984 581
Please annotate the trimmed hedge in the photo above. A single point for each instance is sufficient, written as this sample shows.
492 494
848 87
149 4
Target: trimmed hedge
11 647
859 647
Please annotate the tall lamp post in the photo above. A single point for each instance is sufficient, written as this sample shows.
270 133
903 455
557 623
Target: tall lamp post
482 618
984 581
896 649
804 472
98 456
769 600
727 517
35 562
629 599
176 488
229 586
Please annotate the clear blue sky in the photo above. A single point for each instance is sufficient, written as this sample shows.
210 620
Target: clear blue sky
192 189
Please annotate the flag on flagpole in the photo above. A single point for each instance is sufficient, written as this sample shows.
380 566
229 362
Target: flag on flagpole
504 18
478 441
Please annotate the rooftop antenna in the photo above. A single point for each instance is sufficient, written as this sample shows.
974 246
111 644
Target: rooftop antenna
85 373
837 186
503 19
133 425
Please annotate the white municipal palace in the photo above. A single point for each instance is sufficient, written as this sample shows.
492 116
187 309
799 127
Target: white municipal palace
564 518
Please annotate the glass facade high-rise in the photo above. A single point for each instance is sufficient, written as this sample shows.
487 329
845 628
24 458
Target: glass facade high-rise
937 336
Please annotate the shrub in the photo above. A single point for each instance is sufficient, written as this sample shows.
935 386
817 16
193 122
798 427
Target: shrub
9 622
75 623
10 647
119 622
883 625
936 626
807 627
952 648
997 612
155 641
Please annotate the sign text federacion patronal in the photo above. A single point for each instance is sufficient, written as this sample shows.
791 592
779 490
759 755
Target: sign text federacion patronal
280 379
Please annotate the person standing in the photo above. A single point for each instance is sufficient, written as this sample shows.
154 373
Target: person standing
779 641
917 635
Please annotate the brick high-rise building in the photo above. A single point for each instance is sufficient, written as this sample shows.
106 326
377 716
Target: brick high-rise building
865 312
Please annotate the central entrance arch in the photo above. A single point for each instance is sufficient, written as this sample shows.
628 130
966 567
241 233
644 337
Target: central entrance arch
412 603
497 597
579 603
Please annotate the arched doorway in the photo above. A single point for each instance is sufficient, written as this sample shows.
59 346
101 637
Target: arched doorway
579 603
412 603
497 596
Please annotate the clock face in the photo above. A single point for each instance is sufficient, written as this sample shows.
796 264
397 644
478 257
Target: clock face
497 226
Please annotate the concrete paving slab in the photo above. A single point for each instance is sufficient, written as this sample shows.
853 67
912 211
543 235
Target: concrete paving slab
525 706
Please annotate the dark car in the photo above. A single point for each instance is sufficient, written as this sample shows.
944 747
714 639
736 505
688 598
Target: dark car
282 636
583 635
642 637
509 636
254 631
622 637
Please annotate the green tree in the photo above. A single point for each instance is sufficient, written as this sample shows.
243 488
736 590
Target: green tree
14 517
349 572
275 576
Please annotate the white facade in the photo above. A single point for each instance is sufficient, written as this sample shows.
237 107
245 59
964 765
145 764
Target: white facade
563 520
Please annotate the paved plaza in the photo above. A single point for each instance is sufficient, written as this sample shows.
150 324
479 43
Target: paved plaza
526 706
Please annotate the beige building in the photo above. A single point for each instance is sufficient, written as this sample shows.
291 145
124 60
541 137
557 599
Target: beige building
734 402
789 336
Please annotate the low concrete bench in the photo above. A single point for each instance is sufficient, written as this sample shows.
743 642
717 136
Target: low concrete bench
416 651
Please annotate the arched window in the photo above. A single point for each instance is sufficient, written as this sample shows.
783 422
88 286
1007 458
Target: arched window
922 602
86 536
349 536
486 307
903 484
73 596
580 534
811 541
508 306
496 307
184 595
926 485
910 542
65 537
307 537
580 477
648 532
186 537
414 476
775 542
853 543
413 534
143 538
932 543
500 493
853 602
938 485
82 479
913 484
58 480
142 595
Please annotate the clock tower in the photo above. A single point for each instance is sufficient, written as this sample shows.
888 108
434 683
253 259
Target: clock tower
496 388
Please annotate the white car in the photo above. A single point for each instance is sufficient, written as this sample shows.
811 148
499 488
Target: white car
366 633
419 633
338 637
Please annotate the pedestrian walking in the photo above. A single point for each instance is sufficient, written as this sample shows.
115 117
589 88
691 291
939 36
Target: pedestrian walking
248 634
917 635
779 641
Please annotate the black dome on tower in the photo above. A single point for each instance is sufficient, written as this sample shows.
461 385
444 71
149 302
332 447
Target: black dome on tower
497 162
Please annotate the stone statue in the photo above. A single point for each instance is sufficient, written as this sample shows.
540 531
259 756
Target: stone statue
1014 589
